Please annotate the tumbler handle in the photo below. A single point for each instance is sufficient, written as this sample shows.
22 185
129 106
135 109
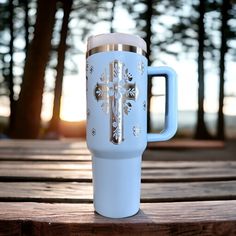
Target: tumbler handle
170 127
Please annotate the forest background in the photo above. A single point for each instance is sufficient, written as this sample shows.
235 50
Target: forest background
42 62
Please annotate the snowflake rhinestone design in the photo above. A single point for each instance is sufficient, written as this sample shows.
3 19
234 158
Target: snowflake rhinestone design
141 67
136 131
91 69
144 105
88 113
93 131
116 91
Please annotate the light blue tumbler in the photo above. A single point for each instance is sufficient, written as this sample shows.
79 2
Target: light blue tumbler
116 74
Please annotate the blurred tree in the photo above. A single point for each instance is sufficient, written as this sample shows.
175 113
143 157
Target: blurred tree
12 29
10 75
29 105
147 15
201 131
224 24
113 6
25 4
4 44
85 12
7 50
143 12
54 123
71 67
192 28
188 30
223 50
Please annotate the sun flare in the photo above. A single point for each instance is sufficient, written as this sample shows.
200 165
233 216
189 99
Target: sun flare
73 102
72 110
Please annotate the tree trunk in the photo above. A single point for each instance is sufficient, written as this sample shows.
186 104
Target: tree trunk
26 25
147 38
10 76
54 123
112 16
13 102
223 50
29 105
201 131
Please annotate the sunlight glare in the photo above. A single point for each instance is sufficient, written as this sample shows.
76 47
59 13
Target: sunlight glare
230 106
73 108
73 102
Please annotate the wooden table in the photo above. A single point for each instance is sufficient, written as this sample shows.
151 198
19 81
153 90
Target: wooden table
46 189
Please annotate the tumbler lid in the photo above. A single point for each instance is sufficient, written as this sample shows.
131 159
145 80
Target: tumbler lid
116 38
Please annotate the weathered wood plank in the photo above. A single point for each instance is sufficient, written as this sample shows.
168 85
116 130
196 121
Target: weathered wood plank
84 155
70 147
200 155
48 144
192 191
29 228
42 157
41 165
43 147
82 192
151 172
165 219
38 151
146 165
187 144
19 149
81 143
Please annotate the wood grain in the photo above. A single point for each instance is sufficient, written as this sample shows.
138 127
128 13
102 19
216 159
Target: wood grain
197 218
46 189
43 157
43 147
151 172
38 151
77 144
47 144
82 192
187 144
145 164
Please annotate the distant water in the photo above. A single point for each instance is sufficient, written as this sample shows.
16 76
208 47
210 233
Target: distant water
187 122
